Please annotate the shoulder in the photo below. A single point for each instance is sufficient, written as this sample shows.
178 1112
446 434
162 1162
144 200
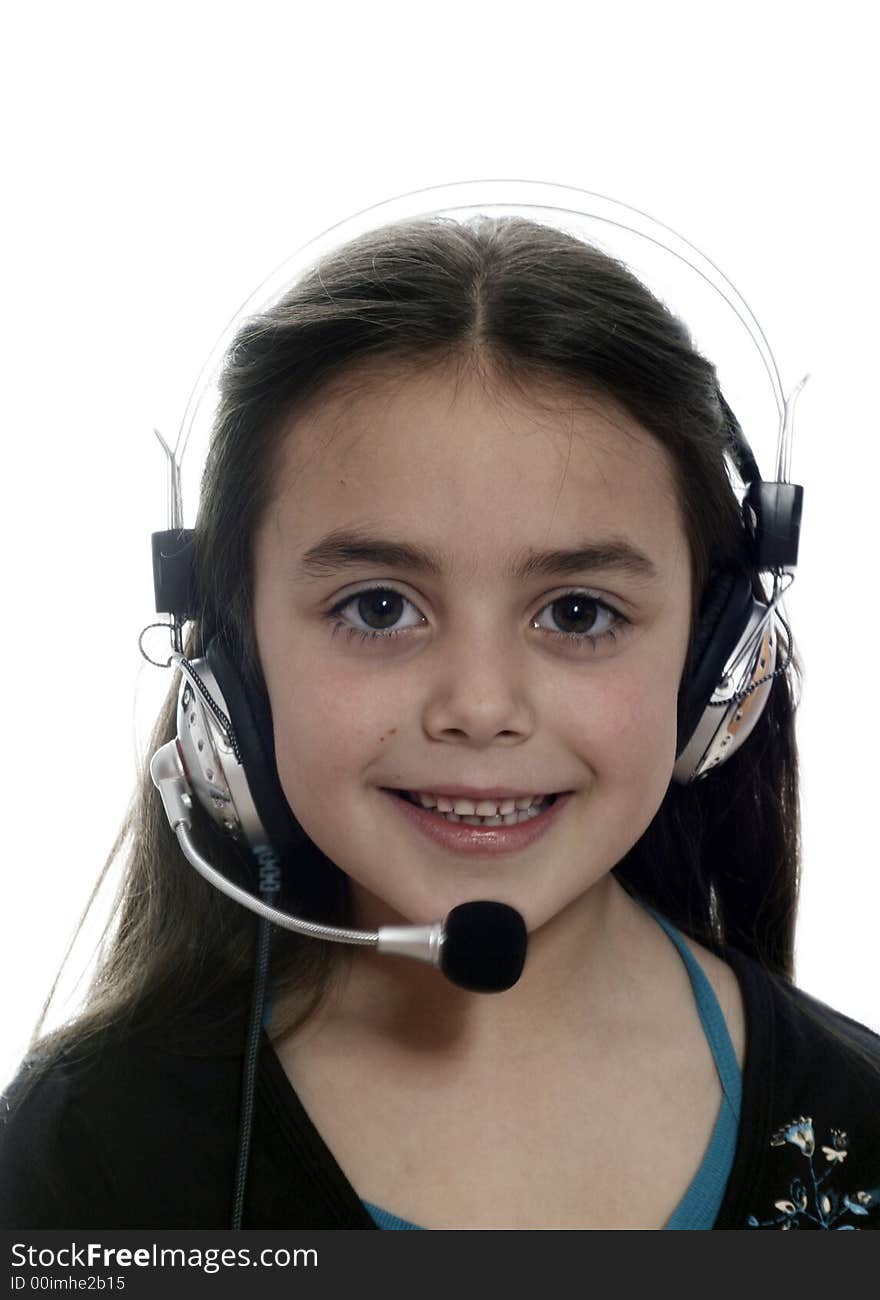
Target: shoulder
100 1136
808 1153
807 1031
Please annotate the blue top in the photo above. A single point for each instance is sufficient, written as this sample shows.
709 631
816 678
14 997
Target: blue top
700 1204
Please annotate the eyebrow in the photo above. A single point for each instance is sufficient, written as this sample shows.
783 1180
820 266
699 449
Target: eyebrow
345 548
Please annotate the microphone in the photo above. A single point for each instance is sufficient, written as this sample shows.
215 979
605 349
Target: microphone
484 947
481 946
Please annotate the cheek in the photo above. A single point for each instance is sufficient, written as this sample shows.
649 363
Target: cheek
624 728
328 727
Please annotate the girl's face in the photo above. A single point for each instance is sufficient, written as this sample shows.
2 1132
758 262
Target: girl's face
483 671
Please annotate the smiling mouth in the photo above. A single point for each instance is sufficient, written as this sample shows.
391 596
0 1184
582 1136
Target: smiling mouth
517 817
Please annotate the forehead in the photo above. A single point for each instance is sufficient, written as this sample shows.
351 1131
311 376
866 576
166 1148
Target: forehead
475 468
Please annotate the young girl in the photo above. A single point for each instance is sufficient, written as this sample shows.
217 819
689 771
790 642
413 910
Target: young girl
463 528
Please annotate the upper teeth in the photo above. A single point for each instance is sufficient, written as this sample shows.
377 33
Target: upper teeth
470 808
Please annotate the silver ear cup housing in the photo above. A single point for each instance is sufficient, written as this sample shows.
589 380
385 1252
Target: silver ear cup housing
737 702
215 776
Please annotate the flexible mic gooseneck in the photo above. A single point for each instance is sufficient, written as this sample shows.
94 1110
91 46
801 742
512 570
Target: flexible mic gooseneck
481 946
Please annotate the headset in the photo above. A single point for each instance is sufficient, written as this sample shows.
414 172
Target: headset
223 759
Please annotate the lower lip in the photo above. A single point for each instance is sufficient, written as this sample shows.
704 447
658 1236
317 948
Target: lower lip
462 837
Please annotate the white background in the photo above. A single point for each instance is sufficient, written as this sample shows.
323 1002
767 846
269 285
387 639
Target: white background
159 161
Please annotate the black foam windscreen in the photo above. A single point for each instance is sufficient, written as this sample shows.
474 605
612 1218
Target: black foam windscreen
484 947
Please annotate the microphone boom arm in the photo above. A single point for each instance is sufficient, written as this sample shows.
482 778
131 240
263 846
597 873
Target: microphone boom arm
421 942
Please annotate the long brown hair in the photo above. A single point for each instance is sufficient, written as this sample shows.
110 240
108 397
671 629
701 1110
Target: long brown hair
533 306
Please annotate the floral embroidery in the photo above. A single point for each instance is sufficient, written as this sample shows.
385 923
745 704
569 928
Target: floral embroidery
808 1197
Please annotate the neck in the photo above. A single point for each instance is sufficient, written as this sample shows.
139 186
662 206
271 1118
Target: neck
596 967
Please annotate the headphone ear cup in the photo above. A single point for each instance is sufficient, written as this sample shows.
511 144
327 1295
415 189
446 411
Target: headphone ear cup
724 614
251 719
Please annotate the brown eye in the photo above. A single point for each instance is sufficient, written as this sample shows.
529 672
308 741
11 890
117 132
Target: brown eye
376 610
380 608
582 620
579 613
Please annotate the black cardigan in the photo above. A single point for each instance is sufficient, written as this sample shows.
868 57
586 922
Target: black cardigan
138 1136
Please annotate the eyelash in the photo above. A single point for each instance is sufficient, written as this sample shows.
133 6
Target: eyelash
580 641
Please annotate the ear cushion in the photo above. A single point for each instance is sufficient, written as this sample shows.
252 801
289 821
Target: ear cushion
724 612
251 720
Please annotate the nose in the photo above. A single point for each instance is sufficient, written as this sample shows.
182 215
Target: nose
476 689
